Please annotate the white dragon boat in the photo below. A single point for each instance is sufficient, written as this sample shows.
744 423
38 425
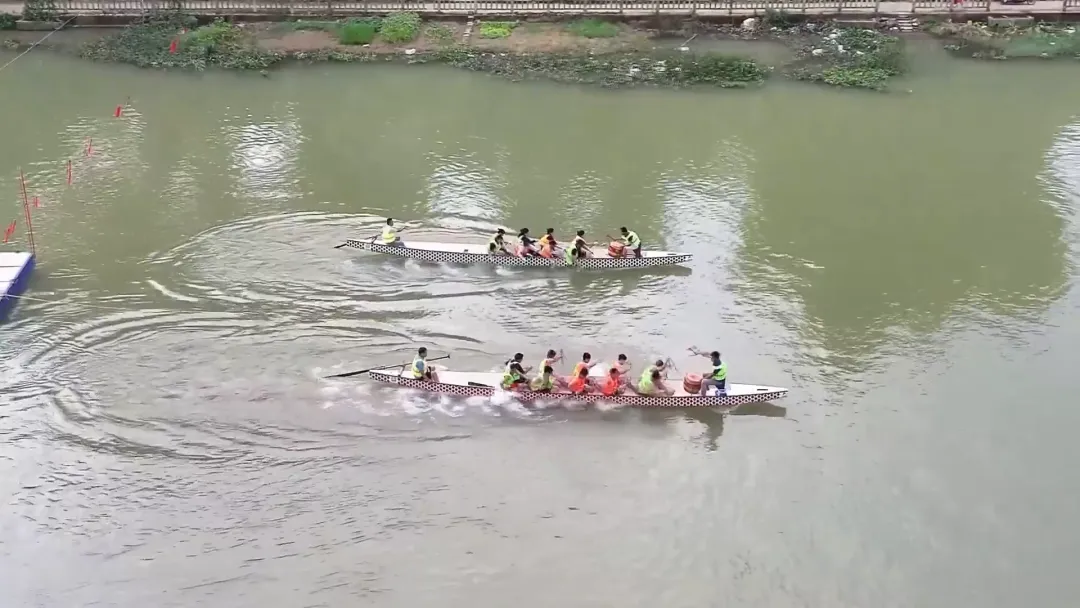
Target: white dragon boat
486 384
457 253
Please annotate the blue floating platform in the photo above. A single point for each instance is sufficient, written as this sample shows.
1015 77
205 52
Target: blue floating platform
15 270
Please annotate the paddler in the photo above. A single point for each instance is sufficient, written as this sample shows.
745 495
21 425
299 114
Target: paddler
550 360
497 245
549 239
613 384
585 364
514 375
717 377
526 244
570 256
421 369
389 234
623 366
545 382
579 384
652 385
580 244
631 240
547 250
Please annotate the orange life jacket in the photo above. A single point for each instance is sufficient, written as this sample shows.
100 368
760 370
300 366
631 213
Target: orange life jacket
612 385
577 369
545 250
577 385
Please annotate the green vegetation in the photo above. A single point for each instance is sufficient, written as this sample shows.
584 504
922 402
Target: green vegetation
1042 40
439 34
7 21
613 69
400 27
39 10
219 44
358 31
497 29
332 27
853 58
593 28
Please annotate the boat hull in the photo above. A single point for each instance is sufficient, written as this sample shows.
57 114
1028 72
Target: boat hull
475 384
456 253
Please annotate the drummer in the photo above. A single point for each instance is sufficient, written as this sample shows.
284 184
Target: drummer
717 377
631 240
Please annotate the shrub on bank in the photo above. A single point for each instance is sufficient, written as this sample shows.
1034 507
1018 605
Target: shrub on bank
7 21
400 27
497 29
358 31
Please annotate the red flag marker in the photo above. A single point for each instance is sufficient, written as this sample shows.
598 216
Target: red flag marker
119 111
89 146
37 202
10 230
173 46
69 172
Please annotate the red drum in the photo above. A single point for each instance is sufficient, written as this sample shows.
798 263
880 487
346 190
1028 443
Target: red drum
616 249
692 383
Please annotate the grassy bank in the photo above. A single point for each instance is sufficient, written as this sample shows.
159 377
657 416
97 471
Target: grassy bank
983 41
587 51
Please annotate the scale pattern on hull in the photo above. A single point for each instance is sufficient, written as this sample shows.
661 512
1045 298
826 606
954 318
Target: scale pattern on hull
453 257
630 400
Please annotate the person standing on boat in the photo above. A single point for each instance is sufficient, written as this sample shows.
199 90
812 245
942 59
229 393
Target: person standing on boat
545 382
389 234
717 377
581 245
526 245
631 240
515 375
421 369
497 245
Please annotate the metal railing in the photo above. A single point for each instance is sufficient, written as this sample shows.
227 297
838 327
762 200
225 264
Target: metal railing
540 7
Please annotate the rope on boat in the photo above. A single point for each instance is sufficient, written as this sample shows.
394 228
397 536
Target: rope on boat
35 45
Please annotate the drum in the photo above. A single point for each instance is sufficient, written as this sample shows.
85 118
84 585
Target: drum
692 383
616 249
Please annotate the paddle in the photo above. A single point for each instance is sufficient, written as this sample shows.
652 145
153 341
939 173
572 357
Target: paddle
364 371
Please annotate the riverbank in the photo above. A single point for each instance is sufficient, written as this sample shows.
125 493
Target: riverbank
587 51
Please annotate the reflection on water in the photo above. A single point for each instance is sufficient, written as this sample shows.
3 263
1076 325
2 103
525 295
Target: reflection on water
161 403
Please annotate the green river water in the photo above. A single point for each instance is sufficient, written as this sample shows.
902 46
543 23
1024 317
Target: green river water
905 263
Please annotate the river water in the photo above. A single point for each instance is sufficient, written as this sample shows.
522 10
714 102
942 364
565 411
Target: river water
905 263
